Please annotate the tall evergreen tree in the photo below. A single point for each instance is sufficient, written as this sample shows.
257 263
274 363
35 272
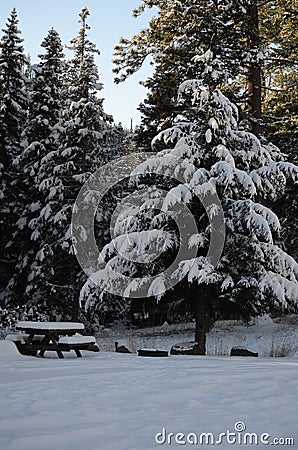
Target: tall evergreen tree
279 24
175 36
256 44
83 135
38 139
213 158
13 113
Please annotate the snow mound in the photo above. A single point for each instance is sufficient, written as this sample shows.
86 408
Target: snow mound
17 337
8 348
263 320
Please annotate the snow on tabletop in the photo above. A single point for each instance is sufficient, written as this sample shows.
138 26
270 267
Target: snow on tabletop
50 325
77 340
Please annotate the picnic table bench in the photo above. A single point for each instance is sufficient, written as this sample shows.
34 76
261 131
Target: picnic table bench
38 337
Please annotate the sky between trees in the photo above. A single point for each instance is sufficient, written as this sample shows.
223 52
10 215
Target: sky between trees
108 20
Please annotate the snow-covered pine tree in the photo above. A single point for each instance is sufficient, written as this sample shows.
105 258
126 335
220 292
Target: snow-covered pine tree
38 139
175 35
84 136
215 158
13 113
279 23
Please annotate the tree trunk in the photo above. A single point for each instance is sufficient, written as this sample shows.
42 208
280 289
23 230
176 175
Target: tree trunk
254 100
201 325
75 308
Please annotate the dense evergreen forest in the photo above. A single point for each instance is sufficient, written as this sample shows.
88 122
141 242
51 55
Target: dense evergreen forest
221 117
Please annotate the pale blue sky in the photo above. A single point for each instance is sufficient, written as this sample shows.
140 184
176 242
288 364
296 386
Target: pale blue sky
109 19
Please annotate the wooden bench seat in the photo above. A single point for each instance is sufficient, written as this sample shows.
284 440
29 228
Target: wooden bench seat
59 348
77 343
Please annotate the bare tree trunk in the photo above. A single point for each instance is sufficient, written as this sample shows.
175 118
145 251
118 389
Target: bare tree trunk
254 75
201 325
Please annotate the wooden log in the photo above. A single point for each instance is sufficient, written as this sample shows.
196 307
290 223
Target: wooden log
121 348
152 353
185 348
242 351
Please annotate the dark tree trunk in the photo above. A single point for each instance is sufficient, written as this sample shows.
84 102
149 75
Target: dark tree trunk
76 308
254 98
201 325
254 74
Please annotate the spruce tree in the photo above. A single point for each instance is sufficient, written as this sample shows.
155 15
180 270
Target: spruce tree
279 25
175 36
38 139
13 114
13 95
83 139
214 158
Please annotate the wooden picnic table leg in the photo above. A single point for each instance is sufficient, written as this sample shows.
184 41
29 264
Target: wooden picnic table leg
60 354
44 341
27 346
29 339
50 337
78 353
55 338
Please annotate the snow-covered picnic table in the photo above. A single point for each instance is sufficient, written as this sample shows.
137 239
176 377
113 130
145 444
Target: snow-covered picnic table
40 337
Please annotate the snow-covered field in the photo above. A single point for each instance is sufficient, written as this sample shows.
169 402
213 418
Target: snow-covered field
110 401
267 337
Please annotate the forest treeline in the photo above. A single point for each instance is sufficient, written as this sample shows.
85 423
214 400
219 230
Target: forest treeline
54 133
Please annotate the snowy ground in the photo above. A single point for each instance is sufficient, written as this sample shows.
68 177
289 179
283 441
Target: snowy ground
110 401
268 338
